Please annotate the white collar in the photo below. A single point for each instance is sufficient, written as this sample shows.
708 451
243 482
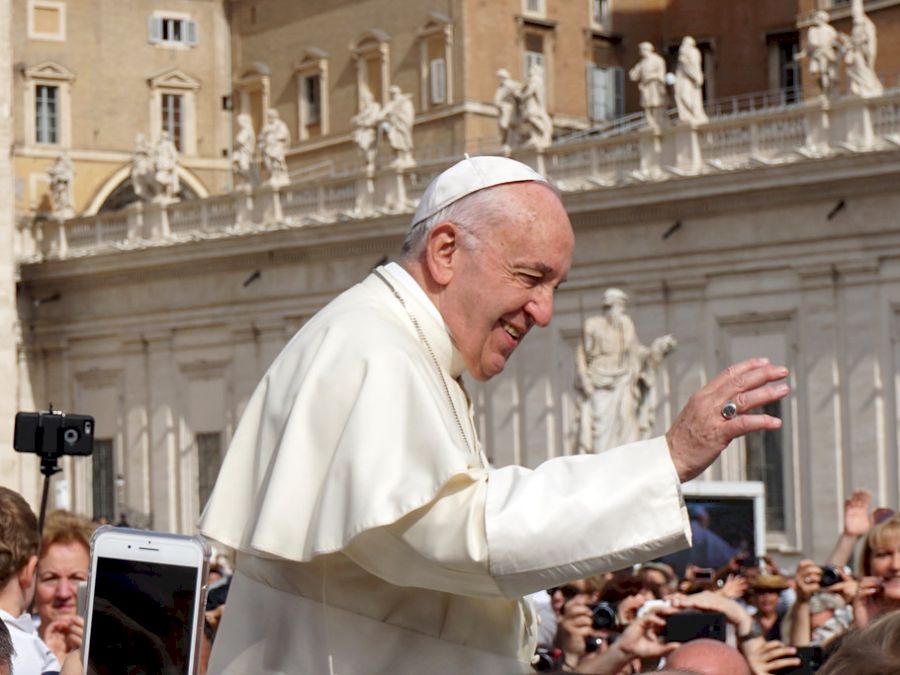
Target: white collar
411 285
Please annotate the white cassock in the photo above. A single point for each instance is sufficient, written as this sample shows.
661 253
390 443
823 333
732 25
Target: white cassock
374 537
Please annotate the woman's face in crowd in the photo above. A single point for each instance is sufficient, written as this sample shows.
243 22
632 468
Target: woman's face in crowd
766 601
885 563
59 572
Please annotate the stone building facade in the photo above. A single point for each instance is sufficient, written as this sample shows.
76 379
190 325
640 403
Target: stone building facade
91 75
761 232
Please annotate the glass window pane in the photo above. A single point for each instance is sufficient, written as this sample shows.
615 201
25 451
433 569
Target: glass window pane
765 462
46 113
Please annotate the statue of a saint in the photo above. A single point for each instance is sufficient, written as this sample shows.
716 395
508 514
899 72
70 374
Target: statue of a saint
365 127
506 98
397 118
61 175
537 127
650 74
822 43
861 47
616 377
142 180
273 144
242 153
689 83
165 164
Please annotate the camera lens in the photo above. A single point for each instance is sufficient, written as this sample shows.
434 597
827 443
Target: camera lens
830 576
70 436
604 616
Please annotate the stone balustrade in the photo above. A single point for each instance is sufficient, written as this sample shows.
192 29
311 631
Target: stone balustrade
807 130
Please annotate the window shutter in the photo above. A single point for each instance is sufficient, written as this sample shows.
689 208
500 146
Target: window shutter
618 88
191 27
598 86
438 80
154 28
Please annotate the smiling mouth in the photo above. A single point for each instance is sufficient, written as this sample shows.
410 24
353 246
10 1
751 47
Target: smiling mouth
513 332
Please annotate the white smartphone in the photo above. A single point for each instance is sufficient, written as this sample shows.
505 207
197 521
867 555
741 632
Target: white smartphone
145 601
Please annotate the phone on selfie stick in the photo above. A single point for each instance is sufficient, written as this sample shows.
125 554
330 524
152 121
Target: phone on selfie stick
145 602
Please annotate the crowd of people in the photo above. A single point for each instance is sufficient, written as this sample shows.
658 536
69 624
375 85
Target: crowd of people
42 623
748 617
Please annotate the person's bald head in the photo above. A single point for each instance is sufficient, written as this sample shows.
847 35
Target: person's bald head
708 657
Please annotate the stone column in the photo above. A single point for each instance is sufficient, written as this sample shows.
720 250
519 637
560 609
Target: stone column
136 433
247 370
8 313
863 390
272 340
821 421
163 431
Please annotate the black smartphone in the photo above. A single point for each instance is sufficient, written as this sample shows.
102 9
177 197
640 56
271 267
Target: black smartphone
811 659
691 624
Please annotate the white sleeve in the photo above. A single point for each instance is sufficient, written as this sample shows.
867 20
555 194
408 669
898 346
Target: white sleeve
512 531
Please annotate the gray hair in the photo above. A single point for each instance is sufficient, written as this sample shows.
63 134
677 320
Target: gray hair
471 214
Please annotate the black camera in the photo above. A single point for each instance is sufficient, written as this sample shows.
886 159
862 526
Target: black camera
53 434
830 576
604 616
547 660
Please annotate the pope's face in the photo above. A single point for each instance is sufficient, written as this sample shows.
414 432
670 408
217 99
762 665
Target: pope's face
505 285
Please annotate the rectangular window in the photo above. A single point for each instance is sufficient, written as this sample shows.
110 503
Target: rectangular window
789 71
600 11
209 459
172 117
312 99
104 487
765 459
46 111
437 70
534 7
534 55
606 93
172 30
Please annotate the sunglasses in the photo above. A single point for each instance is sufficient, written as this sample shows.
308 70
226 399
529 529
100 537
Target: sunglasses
881 515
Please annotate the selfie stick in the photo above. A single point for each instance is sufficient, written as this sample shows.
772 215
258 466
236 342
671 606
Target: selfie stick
49 466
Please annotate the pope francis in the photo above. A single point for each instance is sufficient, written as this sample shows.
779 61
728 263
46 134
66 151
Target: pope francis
372 534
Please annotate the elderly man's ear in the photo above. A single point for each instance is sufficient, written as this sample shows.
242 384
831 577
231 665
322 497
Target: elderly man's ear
441 252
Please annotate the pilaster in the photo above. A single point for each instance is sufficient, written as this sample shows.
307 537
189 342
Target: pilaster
165 481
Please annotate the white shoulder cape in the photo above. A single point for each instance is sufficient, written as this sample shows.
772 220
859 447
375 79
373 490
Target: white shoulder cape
350 429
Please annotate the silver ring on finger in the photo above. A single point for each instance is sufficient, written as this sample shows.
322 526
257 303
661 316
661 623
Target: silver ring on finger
729 410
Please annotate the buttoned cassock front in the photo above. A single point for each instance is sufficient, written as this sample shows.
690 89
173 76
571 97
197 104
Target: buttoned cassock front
374 537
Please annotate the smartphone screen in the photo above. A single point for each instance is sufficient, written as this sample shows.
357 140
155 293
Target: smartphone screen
144 610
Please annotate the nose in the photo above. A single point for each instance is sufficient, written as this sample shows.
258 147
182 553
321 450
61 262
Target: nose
540 306
65 588
895 560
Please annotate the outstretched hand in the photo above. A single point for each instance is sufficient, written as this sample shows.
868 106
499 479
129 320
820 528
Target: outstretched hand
700 432
857 520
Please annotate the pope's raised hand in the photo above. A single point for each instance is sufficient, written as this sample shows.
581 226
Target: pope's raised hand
704 427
